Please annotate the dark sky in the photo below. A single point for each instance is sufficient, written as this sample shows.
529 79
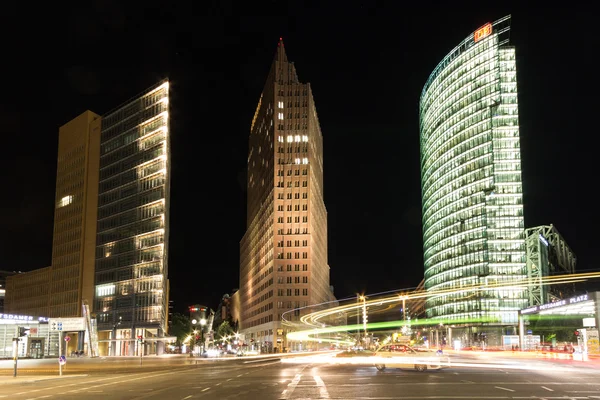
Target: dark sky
367 65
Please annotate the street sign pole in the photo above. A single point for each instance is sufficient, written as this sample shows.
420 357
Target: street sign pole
59 353
15 355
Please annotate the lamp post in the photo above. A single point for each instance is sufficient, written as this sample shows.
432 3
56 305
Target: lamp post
202 323
364 307
403 298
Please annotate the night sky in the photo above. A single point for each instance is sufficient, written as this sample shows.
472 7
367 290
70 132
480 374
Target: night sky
367 66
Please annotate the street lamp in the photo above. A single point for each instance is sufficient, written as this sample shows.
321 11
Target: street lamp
364 300
403 298
202 323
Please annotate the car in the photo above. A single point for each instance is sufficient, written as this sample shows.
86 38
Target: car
404 356
355 353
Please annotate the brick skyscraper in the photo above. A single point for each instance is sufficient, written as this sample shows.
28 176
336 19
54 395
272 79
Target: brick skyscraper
283 254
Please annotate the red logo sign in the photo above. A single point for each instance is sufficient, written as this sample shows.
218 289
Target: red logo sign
482 32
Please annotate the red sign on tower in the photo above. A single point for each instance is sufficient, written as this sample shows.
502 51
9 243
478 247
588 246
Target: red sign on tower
482 32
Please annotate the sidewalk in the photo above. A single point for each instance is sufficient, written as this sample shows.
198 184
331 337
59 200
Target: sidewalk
7 380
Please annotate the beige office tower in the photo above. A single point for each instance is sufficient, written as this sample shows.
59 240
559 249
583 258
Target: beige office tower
74 238
283 254
59 290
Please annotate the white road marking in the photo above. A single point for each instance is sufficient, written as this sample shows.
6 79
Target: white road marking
323 393
357 379
218 384
187 397
503 388
291 386
204 390
548 389
228 379
41 397
122 381
239 375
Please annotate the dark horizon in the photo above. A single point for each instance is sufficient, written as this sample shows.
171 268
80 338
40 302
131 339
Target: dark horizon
366 74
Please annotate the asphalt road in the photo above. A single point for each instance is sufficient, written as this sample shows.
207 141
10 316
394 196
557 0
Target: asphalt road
272 379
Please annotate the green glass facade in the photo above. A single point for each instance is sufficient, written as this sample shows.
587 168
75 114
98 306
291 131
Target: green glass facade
132 232
473 228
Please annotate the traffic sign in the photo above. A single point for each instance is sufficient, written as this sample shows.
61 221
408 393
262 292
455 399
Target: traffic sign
67 324
62 360
67 338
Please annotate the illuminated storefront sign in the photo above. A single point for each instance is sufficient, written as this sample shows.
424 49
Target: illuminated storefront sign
16 317
560 303
482 32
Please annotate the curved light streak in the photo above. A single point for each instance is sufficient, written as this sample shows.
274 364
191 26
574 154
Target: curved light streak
314 328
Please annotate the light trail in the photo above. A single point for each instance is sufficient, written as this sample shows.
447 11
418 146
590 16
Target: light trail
315 327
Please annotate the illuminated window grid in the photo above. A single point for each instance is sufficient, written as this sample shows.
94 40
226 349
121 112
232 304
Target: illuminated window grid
471 174
135 158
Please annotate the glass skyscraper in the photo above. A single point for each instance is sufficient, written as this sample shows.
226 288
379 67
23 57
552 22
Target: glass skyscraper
473 228
131 286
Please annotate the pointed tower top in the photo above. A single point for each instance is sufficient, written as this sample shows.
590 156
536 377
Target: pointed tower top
281 56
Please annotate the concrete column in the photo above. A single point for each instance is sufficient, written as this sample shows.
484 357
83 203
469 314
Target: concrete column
521 331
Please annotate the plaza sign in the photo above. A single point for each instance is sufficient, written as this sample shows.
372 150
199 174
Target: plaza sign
26 318
560 303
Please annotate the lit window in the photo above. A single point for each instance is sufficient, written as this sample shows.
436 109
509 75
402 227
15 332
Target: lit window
105 290
297 138
290 139
65 201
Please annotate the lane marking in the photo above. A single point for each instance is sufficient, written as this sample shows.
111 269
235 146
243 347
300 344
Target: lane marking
204 390
239 375
503 388
187 397
323 393
548 389
291 387
41 397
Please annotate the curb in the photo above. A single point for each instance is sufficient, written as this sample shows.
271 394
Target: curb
30 379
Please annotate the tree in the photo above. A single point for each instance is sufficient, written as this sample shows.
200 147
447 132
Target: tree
224 329
180 327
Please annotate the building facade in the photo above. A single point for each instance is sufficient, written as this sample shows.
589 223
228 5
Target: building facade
472 197
3 276
59 290
74 236
27 293
131 286
283 253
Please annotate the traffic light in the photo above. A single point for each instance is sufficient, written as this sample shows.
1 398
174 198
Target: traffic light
23 331
140 339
